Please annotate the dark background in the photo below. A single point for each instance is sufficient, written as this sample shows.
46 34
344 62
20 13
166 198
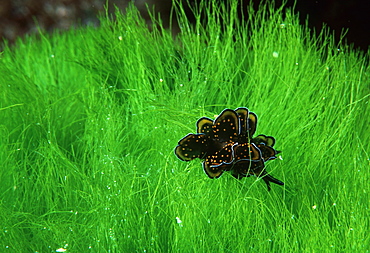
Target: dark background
17 17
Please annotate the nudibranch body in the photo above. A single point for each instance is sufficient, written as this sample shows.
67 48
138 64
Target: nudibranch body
227 144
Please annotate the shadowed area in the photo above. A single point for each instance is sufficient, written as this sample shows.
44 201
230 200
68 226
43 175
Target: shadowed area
18 18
